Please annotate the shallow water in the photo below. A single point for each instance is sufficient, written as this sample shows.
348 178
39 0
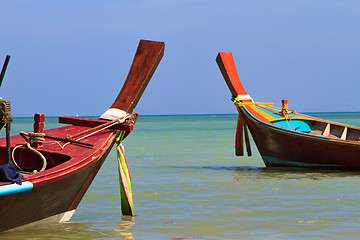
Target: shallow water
188 184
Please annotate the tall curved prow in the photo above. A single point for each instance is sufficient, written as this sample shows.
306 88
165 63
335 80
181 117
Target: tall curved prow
147 57
226 63
146 60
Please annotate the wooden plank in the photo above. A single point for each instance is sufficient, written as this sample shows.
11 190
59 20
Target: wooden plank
247 140
88 122
344 134
327 130
146 60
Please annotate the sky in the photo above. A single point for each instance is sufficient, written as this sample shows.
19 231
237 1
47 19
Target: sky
72 57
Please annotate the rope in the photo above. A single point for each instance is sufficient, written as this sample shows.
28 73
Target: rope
40 138
99 130
92 133
116 121
34 137
13 157
286 113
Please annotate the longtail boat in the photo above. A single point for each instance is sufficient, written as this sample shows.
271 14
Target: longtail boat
286 138
45 174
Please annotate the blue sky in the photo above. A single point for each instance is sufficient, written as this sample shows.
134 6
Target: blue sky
72 57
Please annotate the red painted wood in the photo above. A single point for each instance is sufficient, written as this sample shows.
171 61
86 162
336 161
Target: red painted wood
70 167
146 60
226 63
38 126
284 104
239 143
88 122
62 185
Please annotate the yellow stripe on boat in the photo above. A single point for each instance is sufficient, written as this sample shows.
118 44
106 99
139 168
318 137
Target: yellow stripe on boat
262 113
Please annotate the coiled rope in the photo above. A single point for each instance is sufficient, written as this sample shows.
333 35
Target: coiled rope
33 137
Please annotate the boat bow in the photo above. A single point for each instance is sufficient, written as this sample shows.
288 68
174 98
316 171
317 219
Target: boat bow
57 173
285 137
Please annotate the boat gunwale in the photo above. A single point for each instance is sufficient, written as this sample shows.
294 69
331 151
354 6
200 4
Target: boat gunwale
305 117
62 170
303 134
73 164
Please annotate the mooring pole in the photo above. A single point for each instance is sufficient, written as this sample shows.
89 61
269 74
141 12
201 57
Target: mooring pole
2 74
8 141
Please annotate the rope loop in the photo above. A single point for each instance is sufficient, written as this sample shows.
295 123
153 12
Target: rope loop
36 137
133 117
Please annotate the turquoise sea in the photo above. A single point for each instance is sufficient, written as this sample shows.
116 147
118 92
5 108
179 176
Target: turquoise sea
188 184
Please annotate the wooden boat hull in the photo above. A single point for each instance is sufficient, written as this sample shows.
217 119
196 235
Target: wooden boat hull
282 148
59 164
285 138
43 202
71 182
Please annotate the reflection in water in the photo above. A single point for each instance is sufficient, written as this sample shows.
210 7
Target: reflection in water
71 230
125 226
295 173
276 172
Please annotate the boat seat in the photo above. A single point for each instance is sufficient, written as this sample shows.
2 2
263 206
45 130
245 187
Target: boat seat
326 132
329 130
320 128
344 134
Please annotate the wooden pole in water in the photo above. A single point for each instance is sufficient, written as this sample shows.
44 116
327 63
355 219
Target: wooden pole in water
247 141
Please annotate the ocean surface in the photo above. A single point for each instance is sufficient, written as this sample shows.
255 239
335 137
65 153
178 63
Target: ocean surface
188 184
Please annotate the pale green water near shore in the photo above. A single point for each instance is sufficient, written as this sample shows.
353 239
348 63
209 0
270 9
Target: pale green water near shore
188 184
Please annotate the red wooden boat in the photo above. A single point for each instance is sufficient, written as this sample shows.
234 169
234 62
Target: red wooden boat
58 165
285 138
